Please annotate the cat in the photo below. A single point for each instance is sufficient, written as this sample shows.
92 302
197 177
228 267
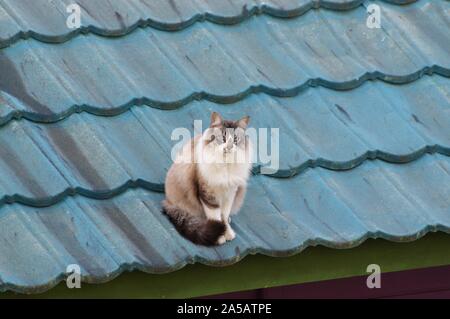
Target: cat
208 181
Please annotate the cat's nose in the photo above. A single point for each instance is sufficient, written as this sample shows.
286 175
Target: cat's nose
230 143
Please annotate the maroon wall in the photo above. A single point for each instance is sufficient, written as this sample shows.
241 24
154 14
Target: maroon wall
420 283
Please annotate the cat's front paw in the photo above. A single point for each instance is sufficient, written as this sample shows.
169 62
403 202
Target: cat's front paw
222 240
229 234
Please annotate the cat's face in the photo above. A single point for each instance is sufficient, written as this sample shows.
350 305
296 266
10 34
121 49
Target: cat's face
227 136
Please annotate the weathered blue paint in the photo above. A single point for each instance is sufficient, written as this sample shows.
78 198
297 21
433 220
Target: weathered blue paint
317 128
46 20
168 70
280 217
362 158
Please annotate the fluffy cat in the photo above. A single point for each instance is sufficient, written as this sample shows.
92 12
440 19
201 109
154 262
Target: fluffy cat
208 181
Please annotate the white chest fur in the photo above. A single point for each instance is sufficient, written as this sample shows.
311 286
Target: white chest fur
220 173
225 175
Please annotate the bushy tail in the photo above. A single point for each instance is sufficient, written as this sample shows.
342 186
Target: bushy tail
199 230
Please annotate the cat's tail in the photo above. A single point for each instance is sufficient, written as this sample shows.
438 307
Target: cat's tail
199 230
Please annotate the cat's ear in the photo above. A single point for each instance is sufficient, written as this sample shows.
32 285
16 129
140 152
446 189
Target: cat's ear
216 119
243 122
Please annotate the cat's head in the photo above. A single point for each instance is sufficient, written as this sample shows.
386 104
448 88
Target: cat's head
228 136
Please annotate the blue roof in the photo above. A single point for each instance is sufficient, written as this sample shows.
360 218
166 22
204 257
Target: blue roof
42 20
85 125
280 217
278 57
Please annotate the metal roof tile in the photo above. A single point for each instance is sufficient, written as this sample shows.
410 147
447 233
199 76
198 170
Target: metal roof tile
336 209
47 82
46 20
100 156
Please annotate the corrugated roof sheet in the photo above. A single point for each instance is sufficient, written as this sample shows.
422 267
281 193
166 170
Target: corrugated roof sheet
46 20
101 156
86 188
280 217
276 57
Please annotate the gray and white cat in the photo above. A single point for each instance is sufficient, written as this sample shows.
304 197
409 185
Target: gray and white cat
208 181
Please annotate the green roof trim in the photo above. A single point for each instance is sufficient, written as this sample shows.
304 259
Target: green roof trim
258 271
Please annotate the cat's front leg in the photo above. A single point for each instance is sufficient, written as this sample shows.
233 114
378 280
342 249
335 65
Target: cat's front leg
229 233
226 211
